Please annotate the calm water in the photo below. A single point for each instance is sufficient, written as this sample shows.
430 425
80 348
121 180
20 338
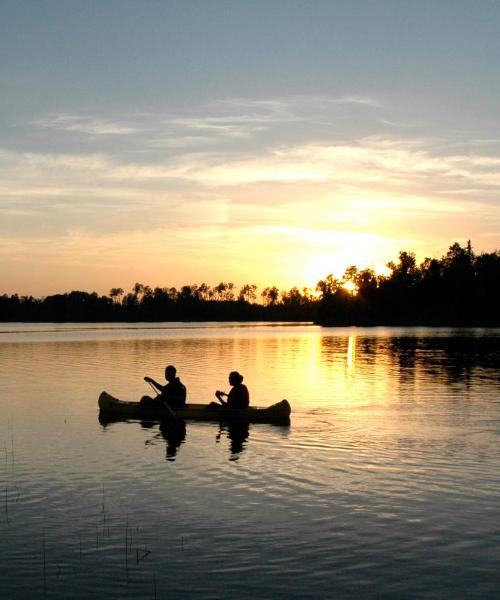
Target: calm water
386 484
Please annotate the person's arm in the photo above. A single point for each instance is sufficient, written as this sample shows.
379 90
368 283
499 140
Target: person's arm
157 385
218 395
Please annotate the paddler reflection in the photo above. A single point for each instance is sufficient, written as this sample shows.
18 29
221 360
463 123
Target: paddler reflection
174 434
238 433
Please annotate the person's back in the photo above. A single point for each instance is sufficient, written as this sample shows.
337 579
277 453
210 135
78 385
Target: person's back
238 397
174 393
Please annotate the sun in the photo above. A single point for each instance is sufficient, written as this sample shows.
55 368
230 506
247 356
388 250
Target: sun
319 267
350 286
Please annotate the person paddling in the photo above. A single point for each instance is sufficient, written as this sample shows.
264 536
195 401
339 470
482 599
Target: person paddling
173 393
238 396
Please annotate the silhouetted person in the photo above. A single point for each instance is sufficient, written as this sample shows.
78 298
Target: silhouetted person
238 396
173 393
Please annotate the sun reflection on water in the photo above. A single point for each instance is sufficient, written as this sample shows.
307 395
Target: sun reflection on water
351 353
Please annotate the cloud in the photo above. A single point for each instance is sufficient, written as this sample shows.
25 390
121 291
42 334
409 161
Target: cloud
287 106
159 200
230 127
373 165
226 119
86 125
373 161
180 141
237 181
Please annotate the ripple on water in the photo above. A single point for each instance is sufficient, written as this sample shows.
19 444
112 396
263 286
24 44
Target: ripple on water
385 484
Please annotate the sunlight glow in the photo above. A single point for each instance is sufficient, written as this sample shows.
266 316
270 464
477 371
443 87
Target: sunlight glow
330 252
194 217
350 286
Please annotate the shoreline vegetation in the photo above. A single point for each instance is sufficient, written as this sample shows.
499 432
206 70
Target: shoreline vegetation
459 289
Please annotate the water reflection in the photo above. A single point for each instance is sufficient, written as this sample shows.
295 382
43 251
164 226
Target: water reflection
393 453
237 433
452 358
351 352
174 434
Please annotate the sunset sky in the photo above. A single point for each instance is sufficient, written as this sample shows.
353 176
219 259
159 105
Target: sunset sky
268 142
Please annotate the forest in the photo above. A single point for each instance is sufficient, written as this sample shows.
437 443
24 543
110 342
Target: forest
459 289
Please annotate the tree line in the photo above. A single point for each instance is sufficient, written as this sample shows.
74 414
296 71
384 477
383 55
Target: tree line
222 302
459 289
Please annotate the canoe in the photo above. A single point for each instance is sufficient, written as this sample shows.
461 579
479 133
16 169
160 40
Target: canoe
276 413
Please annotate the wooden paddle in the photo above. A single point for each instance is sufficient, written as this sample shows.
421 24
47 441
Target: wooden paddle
165 403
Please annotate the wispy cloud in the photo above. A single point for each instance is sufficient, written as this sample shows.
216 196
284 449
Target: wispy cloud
289 105
226 119
374 161
85 125
372 164
227 126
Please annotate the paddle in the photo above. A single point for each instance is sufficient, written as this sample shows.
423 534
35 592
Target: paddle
169 410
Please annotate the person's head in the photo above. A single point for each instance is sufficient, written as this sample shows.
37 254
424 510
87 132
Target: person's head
170 372
235 378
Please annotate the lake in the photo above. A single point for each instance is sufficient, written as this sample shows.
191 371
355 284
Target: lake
386 483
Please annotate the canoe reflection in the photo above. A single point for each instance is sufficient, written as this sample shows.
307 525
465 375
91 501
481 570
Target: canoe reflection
174 433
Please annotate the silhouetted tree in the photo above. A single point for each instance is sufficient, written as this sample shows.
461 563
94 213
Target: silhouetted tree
220 289
248 292
270 295
116 293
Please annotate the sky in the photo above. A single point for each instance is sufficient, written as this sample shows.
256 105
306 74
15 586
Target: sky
269 142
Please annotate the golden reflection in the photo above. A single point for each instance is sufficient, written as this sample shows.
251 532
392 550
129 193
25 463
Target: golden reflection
352 371
351 353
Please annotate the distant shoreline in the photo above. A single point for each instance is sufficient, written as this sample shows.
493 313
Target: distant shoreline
251 323
461 289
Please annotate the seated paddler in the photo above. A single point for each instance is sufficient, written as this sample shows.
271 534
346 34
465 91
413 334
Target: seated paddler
238 396
173 392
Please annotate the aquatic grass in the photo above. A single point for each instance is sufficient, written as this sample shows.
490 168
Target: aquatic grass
9 498
44 562
11 427
126 544
59 570
11 431
106 525
9 453
145 554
